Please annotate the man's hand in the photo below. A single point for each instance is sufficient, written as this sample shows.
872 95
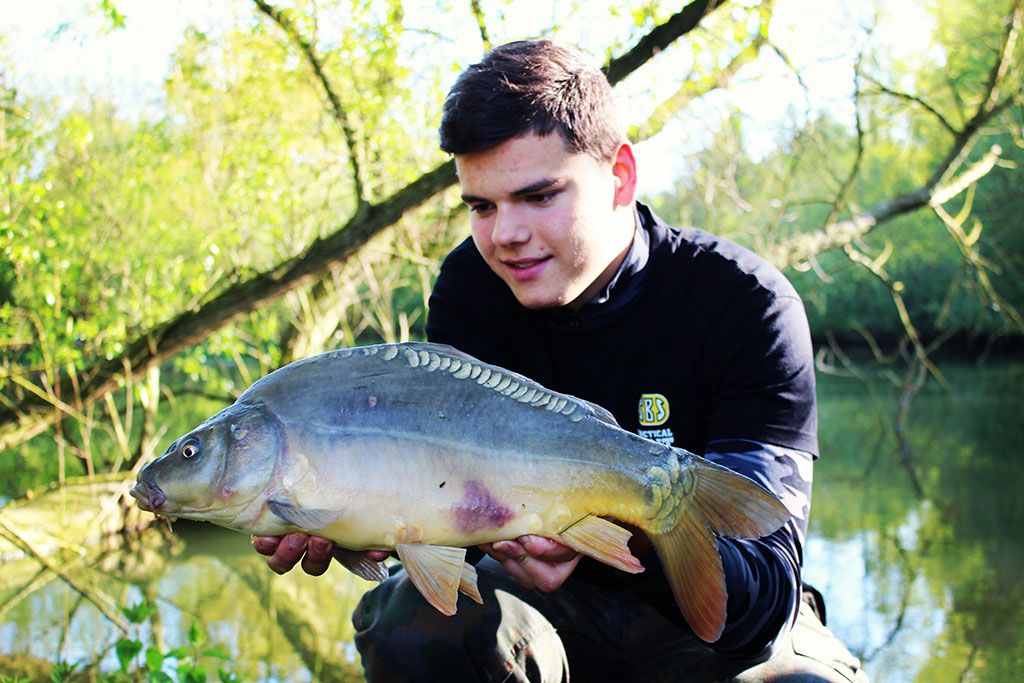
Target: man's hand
535 561
284 552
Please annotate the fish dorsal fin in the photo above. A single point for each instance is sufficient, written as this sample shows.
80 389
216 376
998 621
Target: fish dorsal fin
359 564
600 413
310 519
438 357
436 571
602 540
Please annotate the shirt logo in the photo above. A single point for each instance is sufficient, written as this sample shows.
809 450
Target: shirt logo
653 410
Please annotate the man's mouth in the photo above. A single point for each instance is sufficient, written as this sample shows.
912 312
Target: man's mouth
525 266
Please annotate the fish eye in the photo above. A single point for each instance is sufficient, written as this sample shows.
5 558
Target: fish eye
190 448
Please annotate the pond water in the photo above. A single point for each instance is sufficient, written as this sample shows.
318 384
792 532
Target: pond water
923 587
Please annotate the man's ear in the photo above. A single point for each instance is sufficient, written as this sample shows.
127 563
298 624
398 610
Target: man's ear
624 170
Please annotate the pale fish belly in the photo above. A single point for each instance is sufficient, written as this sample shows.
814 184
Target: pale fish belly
390 492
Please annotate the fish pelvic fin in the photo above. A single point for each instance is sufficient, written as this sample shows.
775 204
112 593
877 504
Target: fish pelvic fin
702 500
602 540
359 564
437 571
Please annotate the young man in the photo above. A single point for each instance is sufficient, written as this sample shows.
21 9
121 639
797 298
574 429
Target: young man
684 337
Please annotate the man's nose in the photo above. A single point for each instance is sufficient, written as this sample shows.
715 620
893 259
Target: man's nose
509 227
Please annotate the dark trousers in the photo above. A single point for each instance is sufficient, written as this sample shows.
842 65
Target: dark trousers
581 632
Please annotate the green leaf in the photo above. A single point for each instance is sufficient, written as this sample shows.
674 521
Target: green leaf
139 612
213 652
154 658
195 634
61 672
126 650
191 674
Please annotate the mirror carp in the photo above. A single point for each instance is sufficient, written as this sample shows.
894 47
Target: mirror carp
423 450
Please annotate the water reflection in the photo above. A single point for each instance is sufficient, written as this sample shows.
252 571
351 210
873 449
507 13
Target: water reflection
292 628
922 589
925 589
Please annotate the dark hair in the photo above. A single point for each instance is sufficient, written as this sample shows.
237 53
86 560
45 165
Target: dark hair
532 86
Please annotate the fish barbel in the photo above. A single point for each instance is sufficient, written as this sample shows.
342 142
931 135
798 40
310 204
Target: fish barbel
423 450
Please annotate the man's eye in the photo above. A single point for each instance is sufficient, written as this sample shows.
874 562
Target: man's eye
541 198
479 208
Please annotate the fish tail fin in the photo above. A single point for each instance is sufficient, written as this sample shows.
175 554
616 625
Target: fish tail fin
716 502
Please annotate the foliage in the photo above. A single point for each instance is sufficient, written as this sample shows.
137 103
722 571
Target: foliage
188 663
824 171
281 127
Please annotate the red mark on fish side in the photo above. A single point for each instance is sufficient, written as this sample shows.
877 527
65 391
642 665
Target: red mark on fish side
479 510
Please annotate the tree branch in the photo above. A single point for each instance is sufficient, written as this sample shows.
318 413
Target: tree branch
802 247
21 420
886 90
338 110
659 38
691 90
478 14
942 186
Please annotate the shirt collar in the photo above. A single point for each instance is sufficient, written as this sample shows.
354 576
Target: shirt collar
620 291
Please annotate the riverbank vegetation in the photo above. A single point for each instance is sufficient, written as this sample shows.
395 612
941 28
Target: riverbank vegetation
283 194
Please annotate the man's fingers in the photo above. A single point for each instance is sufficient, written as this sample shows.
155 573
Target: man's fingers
265 545
547 549
319 553
288 552
508 550
535 561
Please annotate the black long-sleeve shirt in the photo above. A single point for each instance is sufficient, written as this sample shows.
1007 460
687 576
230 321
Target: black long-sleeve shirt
696 342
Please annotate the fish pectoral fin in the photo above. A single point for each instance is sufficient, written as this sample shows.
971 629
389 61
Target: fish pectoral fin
467 583
603 540
436 571
359 564
311 519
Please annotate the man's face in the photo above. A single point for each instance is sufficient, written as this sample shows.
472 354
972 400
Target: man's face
553 225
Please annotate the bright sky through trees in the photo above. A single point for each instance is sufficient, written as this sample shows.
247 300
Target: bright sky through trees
67 44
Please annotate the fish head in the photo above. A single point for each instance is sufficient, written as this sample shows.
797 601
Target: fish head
217 472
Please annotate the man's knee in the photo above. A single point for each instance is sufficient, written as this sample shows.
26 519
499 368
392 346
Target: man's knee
401 637
812 654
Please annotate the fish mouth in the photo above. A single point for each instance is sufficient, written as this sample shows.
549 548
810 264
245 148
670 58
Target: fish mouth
150 497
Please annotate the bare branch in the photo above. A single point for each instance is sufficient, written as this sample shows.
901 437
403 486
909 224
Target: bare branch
691 90
834 235
997 74
478 14
337 108
882 88
659 38
847 183
95 598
